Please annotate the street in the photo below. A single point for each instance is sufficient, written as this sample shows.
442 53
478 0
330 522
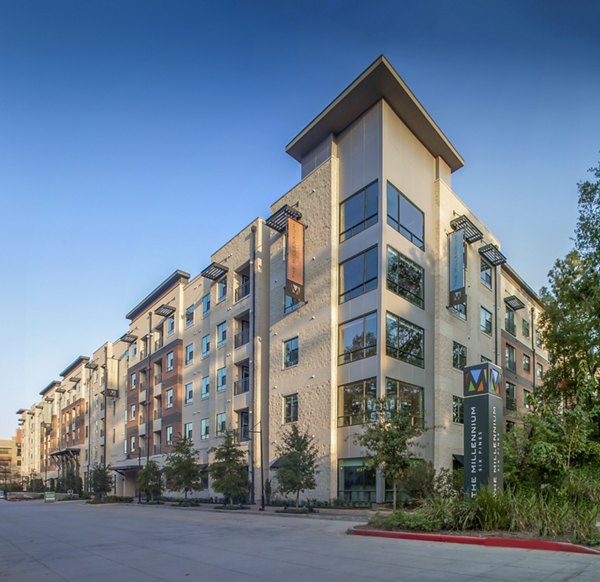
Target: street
113 543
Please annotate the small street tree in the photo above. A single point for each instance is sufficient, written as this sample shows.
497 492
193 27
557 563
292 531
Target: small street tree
181 469
388 442
229 472
150 481
297 469
100 481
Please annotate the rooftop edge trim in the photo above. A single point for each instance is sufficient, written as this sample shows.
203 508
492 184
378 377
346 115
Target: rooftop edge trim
154 295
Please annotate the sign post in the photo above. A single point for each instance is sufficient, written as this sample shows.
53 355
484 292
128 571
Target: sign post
49 497
483 415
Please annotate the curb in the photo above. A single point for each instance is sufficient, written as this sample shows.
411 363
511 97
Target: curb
533 544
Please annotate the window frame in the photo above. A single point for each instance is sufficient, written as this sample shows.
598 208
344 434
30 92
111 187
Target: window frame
396 222
205 394
189 393
366 401
222 289
290 408
367 351
189 354
395 286
416 419
220 376
205 344
458 409
394 351
220 424
170 362
367 221
188 430
366 285
189 316
286 363
205 304
170 398
221 333
459 355
484 328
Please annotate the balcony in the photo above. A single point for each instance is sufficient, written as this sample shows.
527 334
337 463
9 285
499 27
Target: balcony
241 386
156 449
158 344
143 396
157 383
242 338
242 291
142 429
157 424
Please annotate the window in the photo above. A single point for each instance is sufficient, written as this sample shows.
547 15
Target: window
486 274
358 212
405 217
405 277
510 425
189 354
459 356
358 339
538 339
221 333
169 435
189 316
131 444
134 349
404 340
170 398
485 321
206 304
358 275
527 399
290 303
132 412
205 345
204 429
187 430
221 424
511 398
356 482
189 393
171 325
170 361
221 379
525 328
290 408
133 381
539 371
205 390
526 363
509 322
127 360
403 396
458 410
510 360
290 352
222 289
357 401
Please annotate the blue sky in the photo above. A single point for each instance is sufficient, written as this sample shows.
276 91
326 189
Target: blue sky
125 125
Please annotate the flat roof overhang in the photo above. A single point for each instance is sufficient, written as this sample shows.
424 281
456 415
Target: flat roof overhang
378 81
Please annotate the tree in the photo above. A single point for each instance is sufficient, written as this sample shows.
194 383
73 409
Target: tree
101 481
181 469
229 472
297 469
150 481
388 441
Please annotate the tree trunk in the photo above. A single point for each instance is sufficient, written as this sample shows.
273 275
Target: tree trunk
394 489
185 491
297 499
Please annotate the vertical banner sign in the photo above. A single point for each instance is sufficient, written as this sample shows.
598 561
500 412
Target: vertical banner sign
294 285
458 295
483 428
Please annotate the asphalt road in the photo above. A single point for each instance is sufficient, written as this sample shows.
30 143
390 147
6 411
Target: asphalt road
129 543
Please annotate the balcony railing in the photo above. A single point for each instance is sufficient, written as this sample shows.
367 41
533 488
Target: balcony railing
242 338
241 386
242 291
156 450
158 344
158 378
242 434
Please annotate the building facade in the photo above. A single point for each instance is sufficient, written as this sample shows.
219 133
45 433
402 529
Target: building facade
370 279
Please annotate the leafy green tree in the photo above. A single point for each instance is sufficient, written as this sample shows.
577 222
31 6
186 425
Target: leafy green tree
229 472
181 469
297 469
150 481
387 439
101 481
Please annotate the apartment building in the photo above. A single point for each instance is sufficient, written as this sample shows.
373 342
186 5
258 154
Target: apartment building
10 460
369 279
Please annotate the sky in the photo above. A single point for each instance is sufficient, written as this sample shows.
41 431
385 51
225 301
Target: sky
127 126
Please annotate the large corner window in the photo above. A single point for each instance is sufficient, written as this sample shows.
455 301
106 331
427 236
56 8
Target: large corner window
510 358
405 277
358 275
405 217
358 212
405 341
358 339
402 396
358 402
509 322
356 482
486 274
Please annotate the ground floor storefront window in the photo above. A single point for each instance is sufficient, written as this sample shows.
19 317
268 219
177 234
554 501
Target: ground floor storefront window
355 481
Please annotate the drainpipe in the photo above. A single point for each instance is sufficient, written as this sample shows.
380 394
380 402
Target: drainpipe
496 292
253 400
533 332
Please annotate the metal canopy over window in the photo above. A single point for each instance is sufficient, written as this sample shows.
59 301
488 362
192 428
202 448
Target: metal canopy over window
471 232
492 255
164 310
279 220
75 379
128 338
91 366
514 302
214 271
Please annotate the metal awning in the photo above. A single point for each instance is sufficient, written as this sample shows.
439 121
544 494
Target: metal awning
91 366
68 452
128 338
126 469
460 459
214 271
278 220
514 302
164 310
471 232
492 255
